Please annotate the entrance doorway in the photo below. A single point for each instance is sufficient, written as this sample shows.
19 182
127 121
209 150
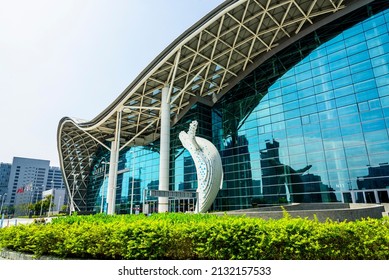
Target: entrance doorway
366 196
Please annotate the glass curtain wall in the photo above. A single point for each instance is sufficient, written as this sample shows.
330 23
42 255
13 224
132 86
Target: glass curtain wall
309 125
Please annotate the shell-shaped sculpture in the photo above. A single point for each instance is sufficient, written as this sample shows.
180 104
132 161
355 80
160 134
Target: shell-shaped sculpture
208 166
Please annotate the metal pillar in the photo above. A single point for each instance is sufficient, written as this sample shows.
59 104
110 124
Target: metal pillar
72 208
133 182
113 167
164 160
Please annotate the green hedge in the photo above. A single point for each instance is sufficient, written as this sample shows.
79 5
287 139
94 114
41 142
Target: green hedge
186 236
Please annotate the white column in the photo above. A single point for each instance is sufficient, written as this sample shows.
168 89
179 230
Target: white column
164 154
377 198
112 176
113 167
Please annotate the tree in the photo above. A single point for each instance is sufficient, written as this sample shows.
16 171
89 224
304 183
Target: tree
42 206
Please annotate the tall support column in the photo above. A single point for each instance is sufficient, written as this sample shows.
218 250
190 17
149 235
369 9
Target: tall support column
111 192
164 154
113 168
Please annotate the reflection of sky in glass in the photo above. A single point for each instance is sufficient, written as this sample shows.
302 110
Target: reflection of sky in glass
142 171
329 114
330 107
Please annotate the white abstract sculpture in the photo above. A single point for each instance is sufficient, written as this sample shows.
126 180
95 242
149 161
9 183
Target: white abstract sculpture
208 166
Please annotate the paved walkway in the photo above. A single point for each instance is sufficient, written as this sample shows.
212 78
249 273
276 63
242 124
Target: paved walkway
19 221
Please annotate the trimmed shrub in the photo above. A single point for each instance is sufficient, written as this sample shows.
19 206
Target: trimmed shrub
200 236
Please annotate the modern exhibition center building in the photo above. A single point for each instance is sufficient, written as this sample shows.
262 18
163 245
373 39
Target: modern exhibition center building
294 94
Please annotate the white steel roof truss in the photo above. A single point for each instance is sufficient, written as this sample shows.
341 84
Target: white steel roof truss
235 46
97 140
231 48
181 92
172 75
139 133
209 60
217 38
200 64
280 25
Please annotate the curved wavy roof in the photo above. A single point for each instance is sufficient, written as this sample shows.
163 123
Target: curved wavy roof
199 66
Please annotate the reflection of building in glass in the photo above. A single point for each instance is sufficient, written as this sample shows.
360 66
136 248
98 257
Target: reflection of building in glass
378 180
316 191
183 170
320 92
282 183
238 184
189 174
134 188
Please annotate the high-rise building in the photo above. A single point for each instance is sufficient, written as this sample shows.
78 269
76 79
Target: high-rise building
294 95
5 170
54 178
28 178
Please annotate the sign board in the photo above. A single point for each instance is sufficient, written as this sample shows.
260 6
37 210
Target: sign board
175 194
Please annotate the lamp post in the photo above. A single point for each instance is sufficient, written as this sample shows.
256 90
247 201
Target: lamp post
2 202
72 209
51 201
1 210
31 195
103 187
133 179
40 213
36 194
59 202
51 198
32 192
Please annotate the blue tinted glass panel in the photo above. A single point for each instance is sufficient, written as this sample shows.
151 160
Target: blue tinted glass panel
324 118
347 110
352 129
371 115
367 95
344 101
373 125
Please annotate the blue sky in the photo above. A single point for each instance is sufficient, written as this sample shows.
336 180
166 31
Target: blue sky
73 58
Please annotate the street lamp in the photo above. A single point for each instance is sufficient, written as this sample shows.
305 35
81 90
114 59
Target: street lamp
36 194
40 213
103 187
133 178
72 209
51 201
32 192
31 195
2 202
1 210
59 202
51 198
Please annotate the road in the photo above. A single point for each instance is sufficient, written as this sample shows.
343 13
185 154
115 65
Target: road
19 221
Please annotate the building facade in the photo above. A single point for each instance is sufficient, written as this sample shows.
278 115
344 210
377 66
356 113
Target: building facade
5 169
58 199
28 179
304 121
54 178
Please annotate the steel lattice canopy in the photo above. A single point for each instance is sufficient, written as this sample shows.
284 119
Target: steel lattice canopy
199 66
